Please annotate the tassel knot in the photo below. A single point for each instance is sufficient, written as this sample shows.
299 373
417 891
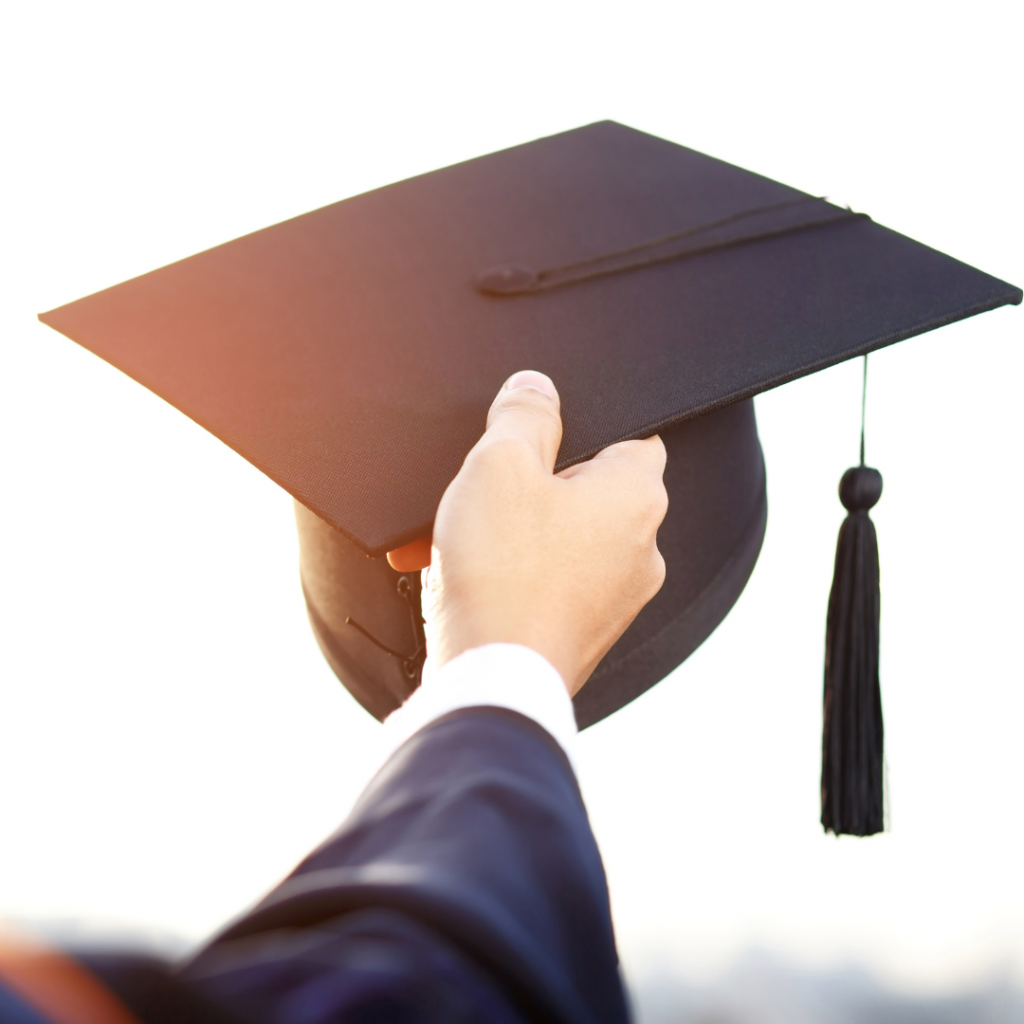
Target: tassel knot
860 488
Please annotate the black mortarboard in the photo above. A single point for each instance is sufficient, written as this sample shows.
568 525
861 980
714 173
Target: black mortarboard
351 354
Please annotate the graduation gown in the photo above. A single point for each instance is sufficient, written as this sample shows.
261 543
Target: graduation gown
466 885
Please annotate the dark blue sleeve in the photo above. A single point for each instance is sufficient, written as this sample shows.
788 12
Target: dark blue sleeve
465 886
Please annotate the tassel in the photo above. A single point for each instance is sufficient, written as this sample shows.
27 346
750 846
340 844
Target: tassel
852 784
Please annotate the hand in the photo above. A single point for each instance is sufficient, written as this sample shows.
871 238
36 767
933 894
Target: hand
561 563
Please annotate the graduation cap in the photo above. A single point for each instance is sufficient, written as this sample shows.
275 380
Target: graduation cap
351 354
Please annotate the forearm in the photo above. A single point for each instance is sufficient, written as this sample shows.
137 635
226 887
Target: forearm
474 832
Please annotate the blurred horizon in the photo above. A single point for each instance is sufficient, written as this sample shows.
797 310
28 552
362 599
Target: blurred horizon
756 986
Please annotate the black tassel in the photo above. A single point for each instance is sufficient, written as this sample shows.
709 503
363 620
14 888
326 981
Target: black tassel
852 783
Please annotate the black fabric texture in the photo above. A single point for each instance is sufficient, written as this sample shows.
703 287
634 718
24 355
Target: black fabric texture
340 582
152 990
710 540
368 967
348 354
465 888
469 863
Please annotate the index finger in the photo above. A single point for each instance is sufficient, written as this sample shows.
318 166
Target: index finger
646 455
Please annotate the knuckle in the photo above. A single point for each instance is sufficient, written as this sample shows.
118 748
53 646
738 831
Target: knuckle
525 400
659 501
654 457
656 446
512 447
507 453
643 457
658 572
649 500
632 450
620 451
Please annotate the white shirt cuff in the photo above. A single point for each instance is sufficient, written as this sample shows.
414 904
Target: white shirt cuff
498 676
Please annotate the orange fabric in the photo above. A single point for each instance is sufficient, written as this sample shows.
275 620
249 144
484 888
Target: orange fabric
58 987
413 556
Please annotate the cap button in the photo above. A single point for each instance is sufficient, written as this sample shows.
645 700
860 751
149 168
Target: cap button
860 488
506 280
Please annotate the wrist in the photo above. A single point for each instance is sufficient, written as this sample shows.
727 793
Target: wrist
460 634
498 675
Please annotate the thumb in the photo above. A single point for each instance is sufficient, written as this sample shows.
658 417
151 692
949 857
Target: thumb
527 407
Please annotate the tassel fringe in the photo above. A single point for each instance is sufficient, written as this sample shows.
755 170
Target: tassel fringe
852 782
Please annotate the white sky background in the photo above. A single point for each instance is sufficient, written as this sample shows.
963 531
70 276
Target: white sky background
171 741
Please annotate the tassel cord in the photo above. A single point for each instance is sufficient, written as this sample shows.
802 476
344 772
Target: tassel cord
852 776
863 406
